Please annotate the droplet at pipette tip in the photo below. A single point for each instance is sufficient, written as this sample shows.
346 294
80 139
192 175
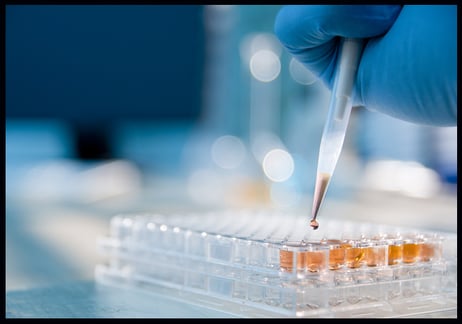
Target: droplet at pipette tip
337 118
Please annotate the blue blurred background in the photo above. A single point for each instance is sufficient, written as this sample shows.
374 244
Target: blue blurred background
180 108
92 67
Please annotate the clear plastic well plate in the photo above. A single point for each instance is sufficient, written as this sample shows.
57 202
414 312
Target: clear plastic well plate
260 263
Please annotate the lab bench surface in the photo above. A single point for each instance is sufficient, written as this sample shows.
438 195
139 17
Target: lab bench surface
88 299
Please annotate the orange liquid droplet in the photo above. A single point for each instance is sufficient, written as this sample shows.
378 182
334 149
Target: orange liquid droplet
314 224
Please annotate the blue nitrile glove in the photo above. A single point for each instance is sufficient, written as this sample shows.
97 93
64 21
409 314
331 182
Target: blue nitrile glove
408 68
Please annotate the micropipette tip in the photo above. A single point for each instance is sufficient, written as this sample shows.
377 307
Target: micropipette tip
337 119
322 181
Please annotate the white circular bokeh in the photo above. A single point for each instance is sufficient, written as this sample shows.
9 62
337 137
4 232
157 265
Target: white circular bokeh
278 165
300 73
265 65
228 152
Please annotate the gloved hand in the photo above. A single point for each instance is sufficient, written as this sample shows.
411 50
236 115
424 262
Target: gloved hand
408 68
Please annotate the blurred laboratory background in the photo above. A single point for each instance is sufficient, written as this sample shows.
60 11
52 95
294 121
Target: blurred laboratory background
115 109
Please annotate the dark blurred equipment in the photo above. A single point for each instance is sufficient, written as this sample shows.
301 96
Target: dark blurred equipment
93 66
92 143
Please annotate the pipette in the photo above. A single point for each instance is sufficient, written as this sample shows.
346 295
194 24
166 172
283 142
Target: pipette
337 118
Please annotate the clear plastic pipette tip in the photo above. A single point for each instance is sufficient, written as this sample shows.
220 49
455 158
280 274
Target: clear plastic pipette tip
337 119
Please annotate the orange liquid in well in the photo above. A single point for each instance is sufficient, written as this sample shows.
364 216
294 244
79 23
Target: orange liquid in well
337 257
375 256
354 257
427 252
315 261
395 254
286 260
411 252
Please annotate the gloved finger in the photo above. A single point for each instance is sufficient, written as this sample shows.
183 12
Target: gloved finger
411 72
309 32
